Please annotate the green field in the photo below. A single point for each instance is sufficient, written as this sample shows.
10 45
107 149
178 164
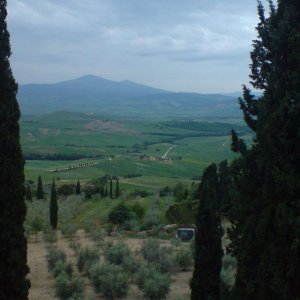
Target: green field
123 147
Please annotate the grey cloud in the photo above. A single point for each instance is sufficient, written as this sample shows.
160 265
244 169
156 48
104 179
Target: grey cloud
125 39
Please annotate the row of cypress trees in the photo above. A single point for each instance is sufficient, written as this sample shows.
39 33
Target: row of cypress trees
106 193
40 190
264 207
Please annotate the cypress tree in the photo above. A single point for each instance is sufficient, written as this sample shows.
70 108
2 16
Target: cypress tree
13 244
110 189
117 189
266 215
40 191
28 193
53 207
225 187
206 283
78 189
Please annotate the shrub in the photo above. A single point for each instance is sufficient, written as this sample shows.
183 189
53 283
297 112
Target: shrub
88 226
137 193
139 210
49 236
119 214
154 285
163 235
117 253
176 242
165 191
97 234
151 219
68 287
150 250
184 258
36 225
66 189
68 230
160 257
165 259
111 281
75 246
62 266
85 257
157 287
54 255
130 265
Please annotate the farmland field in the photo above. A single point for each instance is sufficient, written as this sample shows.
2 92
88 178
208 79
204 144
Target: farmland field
122 147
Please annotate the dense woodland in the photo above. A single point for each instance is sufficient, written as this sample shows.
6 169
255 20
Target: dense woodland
257 193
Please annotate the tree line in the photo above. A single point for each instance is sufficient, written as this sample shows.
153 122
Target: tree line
264 210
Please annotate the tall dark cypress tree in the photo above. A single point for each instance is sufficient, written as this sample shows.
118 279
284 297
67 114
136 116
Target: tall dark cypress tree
206 282
78 189
225 187
118 193
110 189
40 190
28 193
53 207
13 244
267 213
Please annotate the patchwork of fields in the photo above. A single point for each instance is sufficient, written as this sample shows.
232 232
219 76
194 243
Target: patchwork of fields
123 147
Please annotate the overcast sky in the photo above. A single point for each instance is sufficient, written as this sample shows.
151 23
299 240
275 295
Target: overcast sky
191 45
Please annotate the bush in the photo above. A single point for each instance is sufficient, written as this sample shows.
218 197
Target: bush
163 235
138 193
119 214
165 191
150 250
88 226
68 287
97 234
55 255
111 281
176 242
151 219
36 225
160 257
62 266
165 260
86 257
155 286
184 258
117 253
75 246
49 236
130 265
68 230
66 190
139 210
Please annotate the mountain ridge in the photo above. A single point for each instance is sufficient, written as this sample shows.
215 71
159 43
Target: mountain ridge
94 93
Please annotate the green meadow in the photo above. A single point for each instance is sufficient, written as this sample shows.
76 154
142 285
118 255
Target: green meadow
128 148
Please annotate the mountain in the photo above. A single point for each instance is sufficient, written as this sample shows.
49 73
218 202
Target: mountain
122 98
